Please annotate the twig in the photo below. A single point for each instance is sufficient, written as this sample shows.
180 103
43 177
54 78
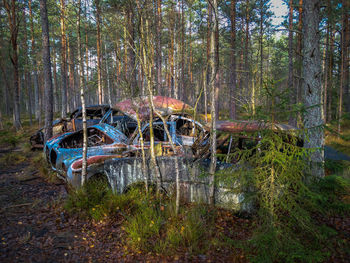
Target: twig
13 206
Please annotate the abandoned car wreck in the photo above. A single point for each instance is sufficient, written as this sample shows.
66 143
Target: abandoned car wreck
115 148
94 115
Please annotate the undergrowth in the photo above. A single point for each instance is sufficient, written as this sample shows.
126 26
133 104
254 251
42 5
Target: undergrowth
39 163
150 221
12 159
274 177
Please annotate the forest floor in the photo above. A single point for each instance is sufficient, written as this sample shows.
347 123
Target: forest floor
34 227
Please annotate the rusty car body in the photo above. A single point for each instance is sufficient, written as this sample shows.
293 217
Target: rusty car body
117 136
74 123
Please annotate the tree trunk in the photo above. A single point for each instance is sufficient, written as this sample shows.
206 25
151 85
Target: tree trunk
99 57
190 56
13 22
109 93
261 35
35 72
82 97
233 62
292 116
158 47
171 52
28 81
56 88
300 58
46 71
63 61
346 22
326 71
344 73
182 88
246 47
71 104
330 74
131 61
313 121
214 69
86 49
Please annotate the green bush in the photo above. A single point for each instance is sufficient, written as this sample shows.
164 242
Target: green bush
286 200
96 200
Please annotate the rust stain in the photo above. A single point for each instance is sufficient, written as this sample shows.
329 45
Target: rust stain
250 126
93 160
164 105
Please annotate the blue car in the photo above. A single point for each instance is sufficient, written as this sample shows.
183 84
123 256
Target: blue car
61 151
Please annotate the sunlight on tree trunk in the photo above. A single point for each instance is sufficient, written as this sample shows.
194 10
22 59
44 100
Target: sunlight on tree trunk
313 121
214 69
82 98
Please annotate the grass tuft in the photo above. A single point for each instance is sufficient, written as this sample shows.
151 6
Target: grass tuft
11 159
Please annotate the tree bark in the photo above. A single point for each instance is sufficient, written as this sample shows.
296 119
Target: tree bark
158 46
246 46
182 88
171 81
71 104
27 77
82 97
63 60
35 72
55 81
261 35
214 68
131 61
14 26
48 93
292 116
330 74
109 92
299 57
326 71
347 55
313 121
233 61
344 74
99 57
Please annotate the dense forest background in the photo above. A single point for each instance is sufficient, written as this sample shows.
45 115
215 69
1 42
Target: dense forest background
259 72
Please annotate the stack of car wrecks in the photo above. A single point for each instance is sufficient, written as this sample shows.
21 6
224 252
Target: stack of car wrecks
114 146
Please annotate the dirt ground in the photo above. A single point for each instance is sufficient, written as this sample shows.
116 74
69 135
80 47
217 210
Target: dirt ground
35 228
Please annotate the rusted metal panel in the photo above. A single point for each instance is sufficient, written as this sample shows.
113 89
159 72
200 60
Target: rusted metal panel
74 123
164 105
251 126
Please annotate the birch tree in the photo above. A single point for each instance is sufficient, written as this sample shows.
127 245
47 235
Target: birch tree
82 97
214 68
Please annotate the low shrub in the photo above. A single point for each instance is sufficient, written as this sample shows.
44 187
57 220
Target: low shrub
289 204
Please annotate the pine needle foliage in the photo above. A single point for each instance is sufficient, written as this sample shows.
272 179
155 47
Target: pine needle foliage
273 172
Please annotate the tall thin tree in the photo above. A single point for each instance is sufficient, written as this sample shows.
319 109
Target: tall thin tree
48 91
63 59
11 9
233 61
34 62
82 97
214 69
